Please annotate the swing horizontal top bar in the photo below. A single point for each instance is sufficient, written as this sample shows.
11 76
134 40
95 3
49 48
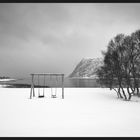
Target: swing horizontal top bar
47 74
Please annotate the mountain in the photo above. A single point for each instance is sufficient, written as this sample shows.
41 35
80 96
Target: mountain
87 68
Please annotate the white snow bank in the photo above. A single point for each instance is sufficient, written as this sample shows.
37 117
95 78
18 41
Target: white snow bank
85 112
6 80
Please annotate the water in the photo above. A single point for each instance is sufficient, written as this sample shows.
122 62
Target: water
53 82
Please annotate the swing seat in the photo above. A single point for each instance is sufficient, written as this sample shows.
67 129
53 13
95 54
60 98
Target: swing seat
41 96
53 96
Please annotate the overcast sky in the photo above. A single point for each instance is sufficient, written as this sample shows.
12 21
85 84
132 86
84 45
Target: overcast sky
54 37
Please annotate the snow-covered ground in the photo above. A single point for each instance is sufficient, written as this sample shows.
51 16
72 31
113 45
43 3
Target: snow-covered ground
85 112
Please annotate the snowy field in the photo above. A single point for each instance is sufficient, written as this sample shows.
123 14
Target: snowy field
85 112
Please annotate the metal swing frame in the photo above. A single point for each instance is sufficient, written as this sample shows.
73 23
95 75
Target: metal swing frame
32 91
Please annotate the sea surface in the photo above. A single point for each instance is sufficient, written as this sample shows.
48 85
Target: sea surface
51 82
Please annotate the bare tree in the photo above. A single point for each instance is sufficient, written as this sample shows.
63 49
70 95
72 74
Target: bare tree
121 65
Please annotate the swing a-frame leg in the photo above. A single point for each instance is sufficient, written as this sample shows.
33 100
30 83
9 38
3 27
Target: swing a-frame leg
32 87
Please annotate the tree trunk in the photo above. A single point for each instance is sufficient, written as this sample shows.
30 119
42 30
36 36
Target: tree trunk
129 98
120 86
129 93
137 91
119 93
123 93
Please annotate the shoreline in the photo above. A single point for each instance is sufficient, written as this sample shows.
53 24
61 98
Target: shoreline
19 83
88 78
5 80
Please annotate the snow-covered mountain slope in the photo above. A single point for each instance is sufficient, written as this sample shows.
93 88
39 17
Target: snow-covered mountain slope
87 67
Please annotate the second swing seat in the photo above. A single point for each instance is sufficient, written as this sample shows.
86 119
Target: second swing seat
53 96
41 96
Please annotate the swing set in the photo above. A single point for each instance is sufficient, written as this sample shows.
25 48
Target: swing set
53 94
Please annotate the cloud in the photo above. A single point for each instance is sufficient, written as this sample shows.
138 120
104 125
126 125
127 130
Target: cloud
45 34
28 21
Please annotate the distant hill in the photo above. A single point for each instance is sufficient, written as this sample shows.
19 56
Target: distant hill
4 77
87 68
